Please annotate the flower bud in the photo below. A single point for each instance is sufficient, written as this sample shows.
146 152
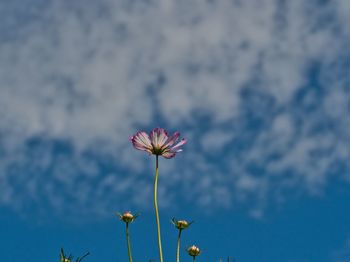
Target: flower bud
193 251
181 224
127 217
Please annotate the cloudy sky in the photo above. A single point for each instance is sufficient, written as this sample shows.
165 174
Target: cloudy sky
259 88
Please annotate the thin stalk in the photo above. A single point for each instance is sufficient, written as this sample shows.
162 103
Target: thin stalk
194 258
178 246
128 241
156 209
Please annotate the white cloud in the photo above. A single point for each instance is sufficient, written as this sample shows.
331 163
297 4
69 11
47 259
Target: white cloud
214 141
261 96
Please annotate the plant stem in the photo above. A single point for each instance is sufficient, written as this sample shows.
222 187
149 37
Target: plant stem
194 258
178 246
128 241
156 209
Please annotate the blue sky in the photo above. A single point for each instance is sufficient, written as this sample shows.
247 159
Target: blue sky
260 89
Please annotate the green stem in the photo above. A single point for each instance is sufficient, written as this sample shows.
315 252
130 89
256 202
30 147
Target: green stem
178 246
194 258
128 241
156 209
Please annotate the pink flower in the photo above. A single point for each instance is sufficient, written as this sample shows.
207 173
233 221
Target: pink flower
158 142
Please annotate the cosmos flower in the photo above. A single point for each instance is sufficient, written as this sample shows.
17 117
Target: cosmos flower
158 142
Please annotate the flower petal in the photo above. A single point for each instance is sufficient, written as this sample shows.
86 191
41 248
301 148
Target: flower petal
171 140
168 154
175 148
158 137
142 148
141 141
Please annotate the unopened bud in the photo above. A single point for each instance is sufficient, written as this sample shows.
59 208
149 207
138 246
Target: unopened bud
181 224
127 217
193 251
